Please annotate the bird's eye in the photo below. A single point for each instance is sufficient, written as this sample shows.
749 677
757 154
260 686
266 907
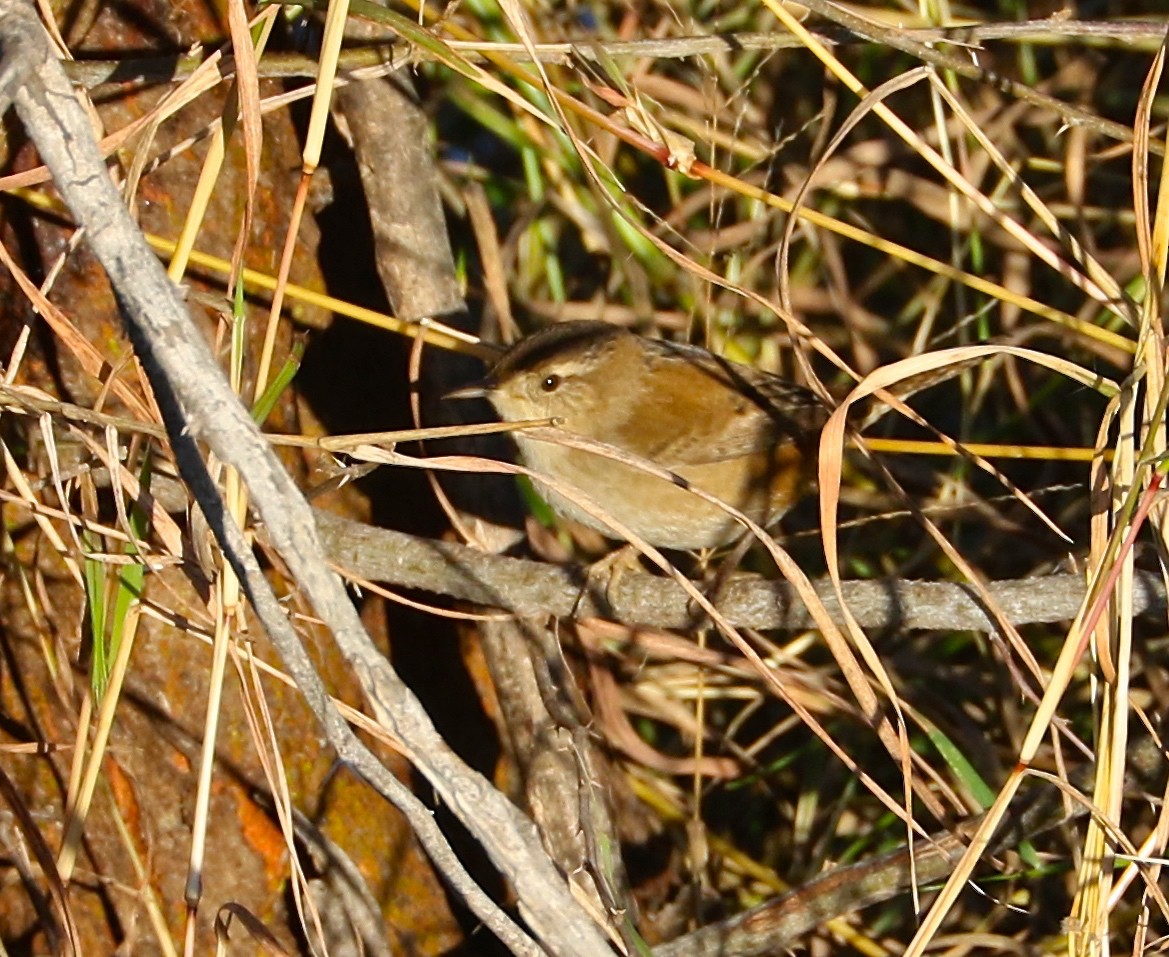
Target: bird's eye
551 383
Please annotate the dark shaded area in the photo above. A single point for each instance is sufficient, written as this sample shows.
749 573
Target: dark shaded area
355 378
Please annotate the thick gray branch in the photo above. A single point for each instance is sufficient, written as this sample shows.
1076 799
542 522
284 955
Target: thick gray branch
537 589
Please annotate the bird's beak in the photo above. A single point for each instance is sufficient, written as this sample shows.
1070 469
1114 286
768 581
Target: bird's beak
476 390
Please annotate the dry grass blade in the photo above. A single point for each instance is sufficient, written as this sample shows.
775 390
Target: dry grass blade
246 90
833 439
83 799
242 105
1110 292
1114 635
859 112
84 350
1088 283
310 158
267 743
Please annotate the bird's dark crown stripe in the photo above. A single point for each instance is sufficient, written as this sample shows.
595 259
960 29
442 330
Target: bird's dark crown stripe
531 351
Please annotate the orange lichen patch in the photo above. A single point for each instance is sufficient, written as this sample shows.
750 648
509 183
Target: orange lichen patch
384 849
260 833
126 798
181 762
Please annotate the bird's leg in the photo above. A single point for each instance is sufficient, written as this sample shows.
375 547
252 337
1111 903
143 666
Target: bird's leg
603 575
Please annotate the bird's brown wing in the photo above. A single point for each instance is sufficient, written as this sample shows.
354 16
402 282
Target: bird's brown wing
722 410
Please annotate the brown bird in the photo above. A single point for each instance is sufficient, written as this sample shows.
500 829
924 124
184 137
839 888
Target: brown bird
742 435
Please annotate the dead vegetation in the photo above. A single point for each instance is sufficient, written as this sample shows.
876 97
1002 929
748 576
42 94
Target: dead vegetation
957 229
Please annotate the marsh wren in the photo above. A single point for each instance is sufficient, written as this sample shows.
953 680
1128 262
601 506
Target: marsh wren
742 435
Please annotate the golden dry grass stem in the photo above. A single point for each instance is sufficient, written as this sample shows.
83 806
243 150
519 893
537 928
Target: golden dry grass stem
1154 248
1113 636
1105 621
242 102
95 753
267 743
1096 895
224 609
227 609
242 105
